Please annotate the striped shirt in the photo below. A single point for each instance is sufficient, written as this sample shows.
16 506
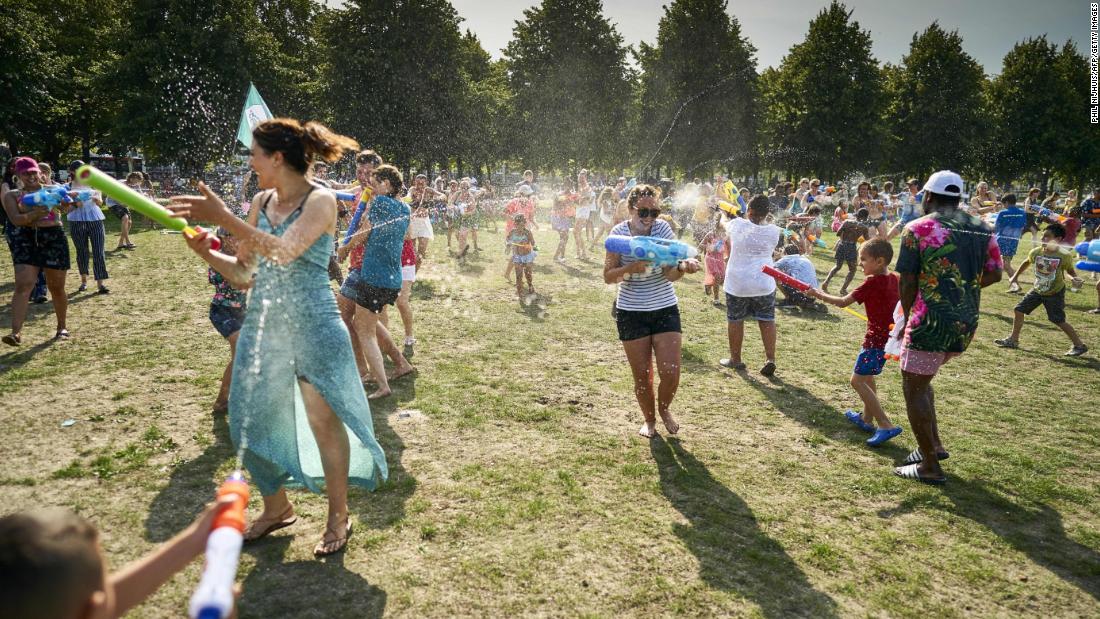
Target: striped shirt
649 291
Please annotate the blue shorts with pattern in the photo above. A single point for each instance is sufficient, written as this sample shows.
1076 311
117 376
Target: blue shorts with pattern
870 362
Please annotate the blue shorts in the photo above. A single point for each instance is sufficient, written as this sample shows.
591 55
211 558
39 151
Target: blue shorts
870 362
527 258
227 320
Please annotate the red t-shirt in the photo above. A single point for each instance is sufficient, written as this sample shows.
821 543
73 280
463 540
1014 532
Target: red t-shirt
408 253
879 296
1073 226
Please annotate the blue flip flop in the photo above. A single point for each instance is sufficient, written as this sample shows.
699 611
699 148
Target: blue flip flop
882 435
857 421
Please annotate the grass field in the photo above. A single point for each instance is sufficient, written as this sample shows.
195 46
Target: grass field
521 487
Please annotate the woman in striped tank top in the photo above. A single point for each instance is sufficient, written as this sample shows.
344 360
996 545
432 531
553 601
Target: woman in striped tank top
646 310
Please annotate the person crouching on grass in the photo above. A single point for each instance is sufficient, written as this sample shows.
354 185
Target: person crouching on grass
647 312
879 295
54 568
1051 261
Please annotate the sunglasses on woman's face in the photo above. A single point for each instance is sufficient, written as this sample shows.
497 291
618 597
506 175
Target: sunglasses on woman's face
649 212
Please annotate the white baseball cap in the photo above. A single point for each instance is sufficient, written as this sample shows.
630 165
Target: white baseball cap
945 183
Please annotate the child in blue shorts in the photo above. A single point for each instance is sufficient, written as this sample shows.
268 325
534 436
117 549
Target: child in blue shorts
879 295
1009 227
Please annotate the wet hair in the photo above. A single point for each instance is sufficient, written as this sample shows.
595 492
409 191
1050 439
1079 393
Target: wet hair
862 214
607 194
814 181
368 156
301 144
813 210
879 248
888 186
1056 230
136 175
390 173
1008 198
791 250
863 184
642 191
51 563
759 205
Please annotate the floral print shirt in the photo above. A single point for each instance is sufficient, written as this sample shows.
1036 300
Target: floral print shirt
948 252
224 292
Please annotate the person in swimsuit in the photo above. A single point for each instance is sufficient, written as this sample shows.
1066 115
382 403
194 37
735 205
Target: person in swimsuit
38 244
420 198
847 249
524 247
297 409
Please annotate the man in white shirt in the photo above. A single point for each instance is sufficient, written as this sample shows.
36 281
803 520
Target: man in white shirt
749 292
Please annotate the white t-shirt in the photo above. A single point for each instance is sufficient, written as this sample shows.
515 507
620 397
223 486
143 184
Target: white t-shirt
751 248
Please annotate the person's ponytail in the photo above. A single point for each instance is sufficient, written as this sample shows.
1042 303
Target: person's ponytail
322 143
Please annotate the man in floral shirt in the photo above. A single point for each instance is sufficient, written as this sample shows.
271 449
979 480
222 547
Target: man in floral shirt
946 258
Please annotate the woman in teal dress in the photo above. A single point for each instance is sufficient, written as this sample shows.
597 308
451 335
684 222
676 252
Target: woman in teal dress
297 409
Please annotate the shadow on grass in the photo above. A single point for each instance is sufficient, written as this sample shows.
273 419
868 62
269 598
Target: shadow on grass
423 289
1034 530
1034 321
191 486
386 505
733 553
312 588
811 411
20 356
1075 362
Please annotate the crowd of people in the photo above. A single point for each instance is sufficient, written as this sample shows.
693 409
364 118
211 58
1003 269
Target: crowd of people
300 351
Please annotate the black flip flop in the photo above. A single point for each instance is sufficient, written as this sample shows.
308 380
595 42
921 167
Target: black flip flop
910 471
917 457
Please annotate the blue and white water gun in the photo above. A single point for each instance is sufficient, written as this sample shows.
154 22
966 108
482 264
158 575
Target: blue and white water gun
661 252
1090 251
53 197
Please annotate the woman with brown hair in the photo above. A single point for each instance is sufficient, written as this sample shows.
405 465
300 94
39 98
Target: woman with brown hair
647 312
294 367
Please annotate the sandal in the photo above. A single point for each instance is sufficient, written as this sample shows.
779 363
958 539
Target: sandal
910 471
254 532
62 334
341 542
917 457
12 339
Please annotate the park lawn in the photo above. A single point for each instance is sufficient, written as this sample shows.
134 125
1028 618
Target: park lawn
519 487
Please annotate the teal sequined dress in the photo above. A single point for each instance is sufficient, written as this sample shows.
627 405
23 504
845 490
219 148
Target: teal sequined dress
293 331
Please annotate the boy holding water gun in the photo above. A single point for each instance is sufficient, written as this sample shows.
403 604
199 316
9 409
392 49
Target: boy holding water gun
879 295
53 566
1051 262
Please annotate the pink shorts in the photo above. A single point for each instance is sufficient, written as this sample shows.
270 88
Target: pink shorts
924 362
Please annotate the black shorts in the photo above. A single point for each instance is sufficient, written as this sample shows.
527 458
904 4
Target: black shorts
1032 224
46 248
119 210
1054 304
847 252
365 295
227 320
633 325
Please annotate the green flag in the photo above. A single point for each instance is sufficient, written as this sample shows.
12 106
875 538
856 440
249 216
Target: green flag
255 111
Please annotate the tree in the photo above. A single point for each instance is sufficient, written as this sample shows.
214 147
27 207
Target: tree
935 108
1024 101
53 70
572 89
394 79
823 104
700 77
186 69
1077 160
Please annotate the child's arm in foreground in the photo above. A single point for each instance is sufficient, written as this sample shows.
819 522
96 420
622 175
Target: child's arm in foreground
844 301
141 578
1020 269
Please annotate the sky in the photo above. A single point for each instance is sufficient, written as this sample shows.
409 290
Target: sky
989 28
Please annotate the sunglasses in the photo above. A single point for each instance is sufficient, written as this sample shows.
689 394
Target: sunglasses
649 212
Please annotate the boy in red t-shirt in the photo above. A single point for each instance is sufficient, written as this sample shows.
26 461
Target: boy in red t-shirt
879 295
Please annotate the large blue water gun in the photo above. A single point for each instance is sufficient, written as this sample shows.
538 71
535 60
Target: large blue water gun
661 252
